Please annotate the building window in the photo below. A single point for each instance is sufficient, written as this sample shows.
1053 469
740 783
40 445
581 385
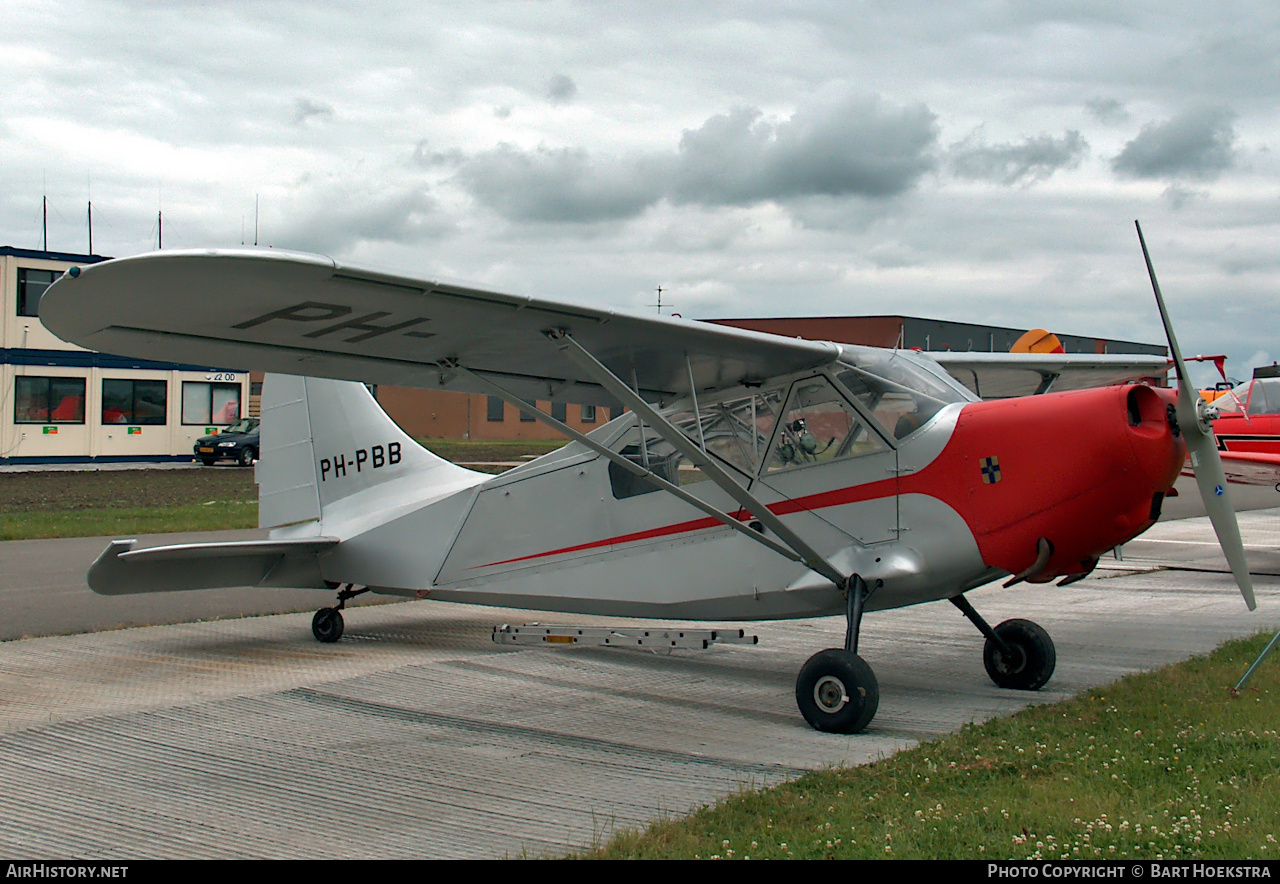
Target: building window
559 411
496 410
48 400
588 414
134 402
525 417
31 286
210 404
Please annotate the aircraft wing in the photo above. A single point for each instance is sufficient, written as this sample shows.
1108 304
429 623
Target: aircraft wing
308 315
1002 375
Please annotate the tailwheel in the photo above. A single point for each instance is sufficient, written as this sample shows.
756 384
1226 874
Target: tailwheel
1028 659
327 625
837 692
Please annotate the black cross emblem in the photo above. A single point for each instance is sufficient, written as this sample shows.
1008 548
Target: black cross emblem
990 470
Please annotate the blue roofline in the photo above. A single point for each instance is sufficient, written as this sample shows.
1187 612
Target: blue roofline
69 257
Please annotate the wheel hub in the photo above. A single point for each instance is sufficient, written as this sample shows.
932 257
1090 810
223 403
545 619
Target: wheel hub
1014 663
829 694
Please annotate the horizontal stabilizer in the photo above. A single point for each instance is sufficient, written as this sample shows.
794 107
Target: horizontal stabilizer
123 570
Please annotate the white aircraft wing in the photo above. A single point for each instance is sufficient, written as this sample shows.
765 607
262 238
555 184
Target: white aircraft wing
308 315
1002 375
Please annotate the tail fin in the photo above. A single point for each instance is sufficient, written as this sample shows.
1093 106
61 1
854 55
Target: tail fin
323 441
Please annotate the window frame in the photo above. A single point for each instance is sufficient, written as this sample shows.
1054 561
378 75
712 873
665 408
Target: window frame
182 410
132 415
23 310
495 410
48 393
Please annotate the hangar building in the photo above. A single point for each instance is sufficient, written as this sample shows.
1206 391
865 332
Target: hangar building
440 414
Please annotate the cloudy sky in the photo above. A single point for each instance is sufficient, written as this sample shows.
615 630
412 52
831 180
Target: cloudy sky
973 161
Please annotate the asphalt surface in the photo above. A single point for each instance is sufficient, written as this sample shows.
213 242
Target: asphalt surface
417 736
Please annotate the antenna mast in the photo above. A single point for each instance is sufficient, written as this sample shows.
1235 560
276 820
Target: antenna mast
90 227
44 225
659 304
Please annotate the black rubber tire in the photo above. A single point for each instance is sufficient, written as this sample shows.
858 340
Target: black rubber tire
246 457
327 625
1034 656
837 692
207 461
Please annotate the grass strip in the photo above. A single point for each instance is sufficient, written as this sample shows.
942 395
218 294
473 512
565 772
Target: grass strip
1160 765
130 521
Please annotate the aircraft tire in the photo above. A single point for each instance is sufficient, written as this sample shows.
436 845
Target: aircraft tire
1034 656
327 625
837 692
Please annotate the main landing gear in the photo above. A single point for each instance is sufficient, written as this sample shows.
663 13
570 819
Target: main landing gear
836 690
1018 654
327 624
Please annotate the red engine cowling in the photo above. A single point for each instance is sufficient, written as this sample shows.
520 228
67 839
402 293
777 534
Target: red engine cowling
1084 470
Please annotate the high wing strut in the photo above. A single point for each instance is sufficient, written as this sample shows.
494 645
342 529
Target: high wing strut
626 463
811 558
1046 381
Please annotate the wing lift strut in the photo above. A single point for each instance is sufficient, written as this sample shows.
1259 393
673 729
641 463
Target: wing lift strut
836 690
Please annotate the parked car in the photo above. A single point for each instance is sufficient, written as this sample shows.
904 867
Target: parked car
238 442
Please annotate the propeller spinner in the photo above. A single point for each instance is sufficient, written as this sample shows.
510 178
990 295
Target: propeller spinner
1194 423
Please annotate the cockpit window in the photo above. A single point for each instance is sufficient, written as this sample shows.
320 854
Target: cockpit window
819 426
1258 396
901 390
735 431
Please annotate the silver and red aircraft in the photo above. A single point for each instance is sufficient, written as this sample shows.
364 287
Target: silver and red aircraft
753 477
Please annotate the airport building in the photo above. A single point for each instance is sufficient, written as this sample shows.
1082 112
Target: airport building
63 404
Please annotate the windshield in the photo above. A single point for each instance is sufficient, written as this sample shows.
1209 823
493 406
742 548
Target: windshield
901 389
244 425
1259 396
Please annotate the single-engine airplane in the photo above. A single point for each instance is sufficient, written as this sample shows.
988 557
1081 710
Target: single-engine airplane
754 476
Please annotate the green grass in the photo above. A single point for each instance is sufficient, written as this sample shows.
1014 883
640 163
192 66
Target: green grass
1164 764
464 450
119 522
42 504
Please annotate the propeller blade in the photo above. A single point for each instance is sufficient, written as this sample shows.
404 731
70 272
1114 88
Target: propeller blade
1203 448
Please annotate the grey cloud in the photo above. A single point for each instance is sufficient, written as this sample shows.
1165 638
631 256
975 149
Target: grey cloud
1108 110
1197 144
556 185
502 111
338 218
561 89
305 109
424 155
1034 159
854 147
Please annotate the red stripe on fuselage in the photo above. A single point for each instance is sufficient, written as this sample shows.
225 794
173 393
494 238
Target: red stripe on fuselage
821 500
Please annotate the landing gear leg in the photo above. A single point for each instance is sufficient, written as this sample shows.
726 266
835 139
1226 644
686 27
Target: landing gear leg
327 624
1018 654
836 690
